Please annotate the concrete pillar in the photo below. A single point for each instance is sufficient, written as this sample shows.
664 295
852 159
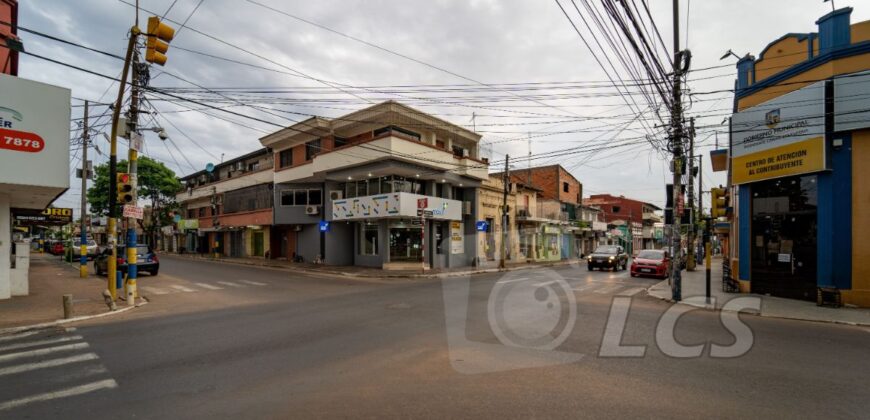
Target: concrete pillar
5 248
20 284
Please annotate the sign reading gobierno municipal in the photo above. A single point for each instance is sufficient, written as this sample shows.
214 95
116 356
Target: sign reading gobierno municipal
781 137
34 141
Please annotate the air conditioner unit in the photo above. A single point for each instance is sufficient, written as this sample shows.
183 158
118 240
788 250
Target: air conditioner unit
336 195
311 210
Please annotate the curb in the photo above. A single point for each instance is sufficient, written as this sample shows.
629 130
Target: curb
758 314
380 276
67 321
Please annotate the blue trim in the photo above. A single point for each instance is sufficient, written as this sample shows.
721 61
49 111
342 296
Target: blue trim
834 30
842 213
744 204
854 49
812 38
825 230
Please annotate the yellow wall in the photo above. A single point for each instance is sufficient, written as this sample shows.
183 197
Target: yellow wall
780 56
860 293
861 32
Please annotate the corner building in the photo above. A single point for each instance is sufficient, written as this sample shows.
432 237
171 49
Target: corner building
799 191
350 190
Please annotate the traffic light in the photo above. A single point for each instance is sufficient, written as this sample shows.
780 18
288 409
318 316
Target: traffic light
720 204
125 188
159 35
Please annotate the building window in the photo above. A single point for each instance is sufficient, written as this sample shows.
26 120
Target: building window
191 213
458 151
256 165
393 128
285 158
312 148
339 141
565 187
369 236
301 197
440 144
202 212
615 209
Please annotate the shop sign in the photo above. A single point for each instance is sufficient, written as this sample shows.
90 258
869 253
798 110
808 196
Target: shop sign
552 230
781 137
457 239
396 205
186 224
49 216
133 211
34 140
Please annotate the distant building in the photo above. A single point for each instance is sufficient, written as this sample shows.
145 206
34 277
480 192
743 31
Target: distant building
630 220
8 56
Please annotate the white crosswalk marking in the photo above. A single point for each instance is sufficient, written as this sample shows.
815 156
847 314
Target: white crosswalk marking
48 363
68 392
154 290
182 288
608 289
584 288
40 342
631 292
42 352
63 361
209 286
18 336
229 283
255 283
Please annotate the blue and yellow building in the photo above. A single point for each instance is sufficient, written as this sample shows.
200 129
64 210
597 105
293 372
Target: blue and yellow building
800 164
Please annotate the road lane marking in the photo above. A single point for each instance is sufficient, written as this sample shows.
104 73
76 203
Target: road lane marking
209 286
254 283
631 292
510 281
608 289
544 283
42 352
17 336
182 288
584 288
40 342
154 290
229 283
68 392
48 363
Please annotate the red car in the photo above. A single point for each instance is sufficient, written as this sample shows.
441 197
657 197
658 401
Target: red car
651 262
56 248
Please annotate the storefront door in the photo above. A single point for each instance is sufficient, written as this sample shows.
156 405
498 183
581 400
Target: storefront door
406 244
784 237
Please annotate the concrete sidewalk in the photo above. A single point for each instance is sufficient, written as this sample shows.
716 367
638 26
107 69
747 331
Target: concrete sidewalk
50 279
369 272
694 284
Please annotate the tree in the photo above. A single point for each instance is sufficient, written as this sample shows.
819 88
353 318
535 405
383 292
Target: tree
156 183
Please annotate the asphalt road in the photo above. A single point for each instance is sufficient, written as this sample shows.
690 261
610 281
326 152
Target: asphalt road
229 341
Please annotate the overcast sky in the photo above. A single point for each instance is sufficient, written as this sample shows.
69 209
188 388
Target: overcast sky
491 42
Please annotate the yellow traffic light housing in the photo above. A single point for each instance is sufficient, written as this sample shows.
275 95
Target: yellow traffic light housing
719 202
159 35
125 188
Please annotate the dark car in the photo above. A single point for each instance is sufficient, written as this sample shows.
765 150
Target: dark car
146 260
651 262
608 256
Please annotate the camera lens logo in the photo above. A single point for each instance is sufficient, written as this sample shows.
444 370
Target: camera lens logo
534 315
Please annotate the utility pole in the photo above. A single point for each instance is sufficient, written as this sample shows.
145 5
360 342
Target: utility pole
83 246
506 180
113 167
690 262
676 145
132 165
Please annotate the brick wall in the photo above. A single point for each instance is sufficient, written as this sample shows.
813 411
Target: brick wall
550 180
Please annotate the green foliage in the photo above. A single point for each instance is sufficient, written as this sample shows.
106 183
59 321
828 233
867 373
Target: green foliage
155 181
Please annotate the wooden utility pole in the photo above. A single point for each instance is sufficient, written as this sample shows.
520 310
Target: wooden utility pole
83 245
677 147
690 261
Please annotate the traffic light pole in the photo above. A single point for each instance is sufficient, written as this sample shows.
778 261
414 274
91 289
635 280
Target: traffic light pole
83 245
113 168
708 263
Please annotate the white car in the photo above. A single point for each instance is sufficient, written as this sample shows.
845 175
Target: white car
92 248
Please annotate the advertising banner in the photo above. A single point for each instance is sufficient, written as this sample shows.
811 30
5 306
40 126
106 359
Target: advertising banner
457 239
396 205
781 137
50 216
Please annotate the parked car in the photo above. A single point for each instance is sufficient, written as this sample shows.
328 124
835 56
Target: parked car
92 248
608 256
683 257
651 262
56 248
146 260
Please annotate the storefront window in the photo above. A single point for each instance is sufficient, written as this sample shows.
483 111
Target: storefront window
406 244
369 235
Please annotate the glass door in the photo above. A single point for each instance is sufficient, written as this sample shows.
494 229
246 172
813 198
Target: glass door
406 244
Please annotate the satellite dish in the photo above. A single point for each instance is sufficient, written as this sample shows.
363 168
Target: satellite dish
209 167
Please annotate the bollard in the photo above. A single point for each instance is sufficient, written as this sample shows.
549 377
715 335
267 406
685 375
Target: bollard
67 306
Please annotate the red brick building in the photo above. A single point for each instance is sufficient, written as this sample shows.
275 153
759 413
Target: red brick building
8 57
622 211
